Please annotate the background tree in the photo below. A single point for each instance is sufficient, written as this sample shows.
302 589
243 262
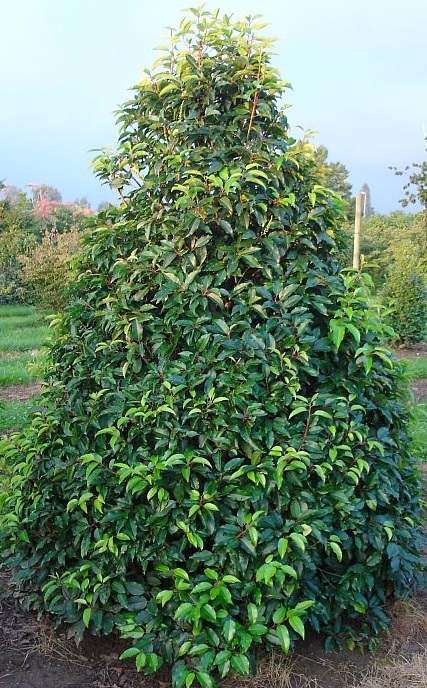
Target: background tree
386 237
10 193
394 247
103 205
221 458
34 260
59 217
416 186
82 202
405 295
44 192
19 232
45 270
333 175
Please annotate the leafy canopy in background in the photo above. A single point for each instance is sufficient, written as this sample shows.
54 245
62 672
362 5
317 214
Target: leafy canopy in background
222 460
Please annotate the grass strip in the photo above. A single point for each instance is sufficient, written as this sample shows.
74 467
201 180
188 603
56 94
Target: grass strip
417 367
23 339
418 431
15 414
22 328
12 310
20 369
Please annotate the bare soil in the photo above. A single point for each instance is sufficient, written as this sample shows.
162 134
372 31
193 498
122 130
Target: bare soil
33 654
419 388
20 392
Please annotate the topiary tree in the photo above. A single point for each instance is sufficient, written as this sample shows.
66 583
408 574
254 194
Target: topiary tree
222 459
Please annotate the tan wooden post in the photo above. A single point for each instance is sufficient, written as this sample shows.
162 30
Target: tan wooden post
357 223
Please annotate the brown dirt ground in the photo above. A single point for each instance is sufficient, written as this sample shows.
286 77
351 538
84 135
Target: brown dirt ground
419 388
20 392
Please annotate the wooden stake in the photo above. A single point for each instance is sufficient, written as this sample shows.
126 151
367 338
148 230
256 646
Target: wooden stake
357 223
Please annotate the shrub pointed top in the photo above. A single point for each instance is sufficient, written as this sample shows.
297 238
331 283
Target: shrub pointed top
213 86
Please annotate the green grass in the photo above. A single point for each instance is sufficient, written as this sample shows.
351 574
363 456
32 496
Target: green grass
16 322
20 369
15 414
23 339
418 431
22 328
417 370
417 367
16 310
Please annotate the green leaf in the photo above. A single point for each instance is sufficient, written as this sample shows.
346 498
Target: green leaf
297 625
141 660
226 203
229 630
337 333
284 637
300 409
198 649
135 588
222 657
257 629
265 573
189 680
204 679
240 664
305 604
173 86
164 596
252 612
389 532
201 587
216 299
336 549
184 648
230 579
354 331
299 540
208 613
179 674
86 616
279 615
282 547
184 611
130 652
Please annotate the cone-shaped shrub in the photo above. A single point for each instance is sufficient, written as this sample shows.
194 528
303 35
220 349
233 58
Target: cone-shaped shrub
222 460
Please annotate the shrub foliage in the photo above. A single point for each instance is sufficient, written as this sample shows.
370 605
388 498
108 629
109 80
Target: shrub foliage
405 294
390 239
222 460
18 235
46 271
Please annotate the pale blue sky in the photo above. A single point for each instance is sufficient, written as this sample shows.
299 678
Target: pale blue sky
358 71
